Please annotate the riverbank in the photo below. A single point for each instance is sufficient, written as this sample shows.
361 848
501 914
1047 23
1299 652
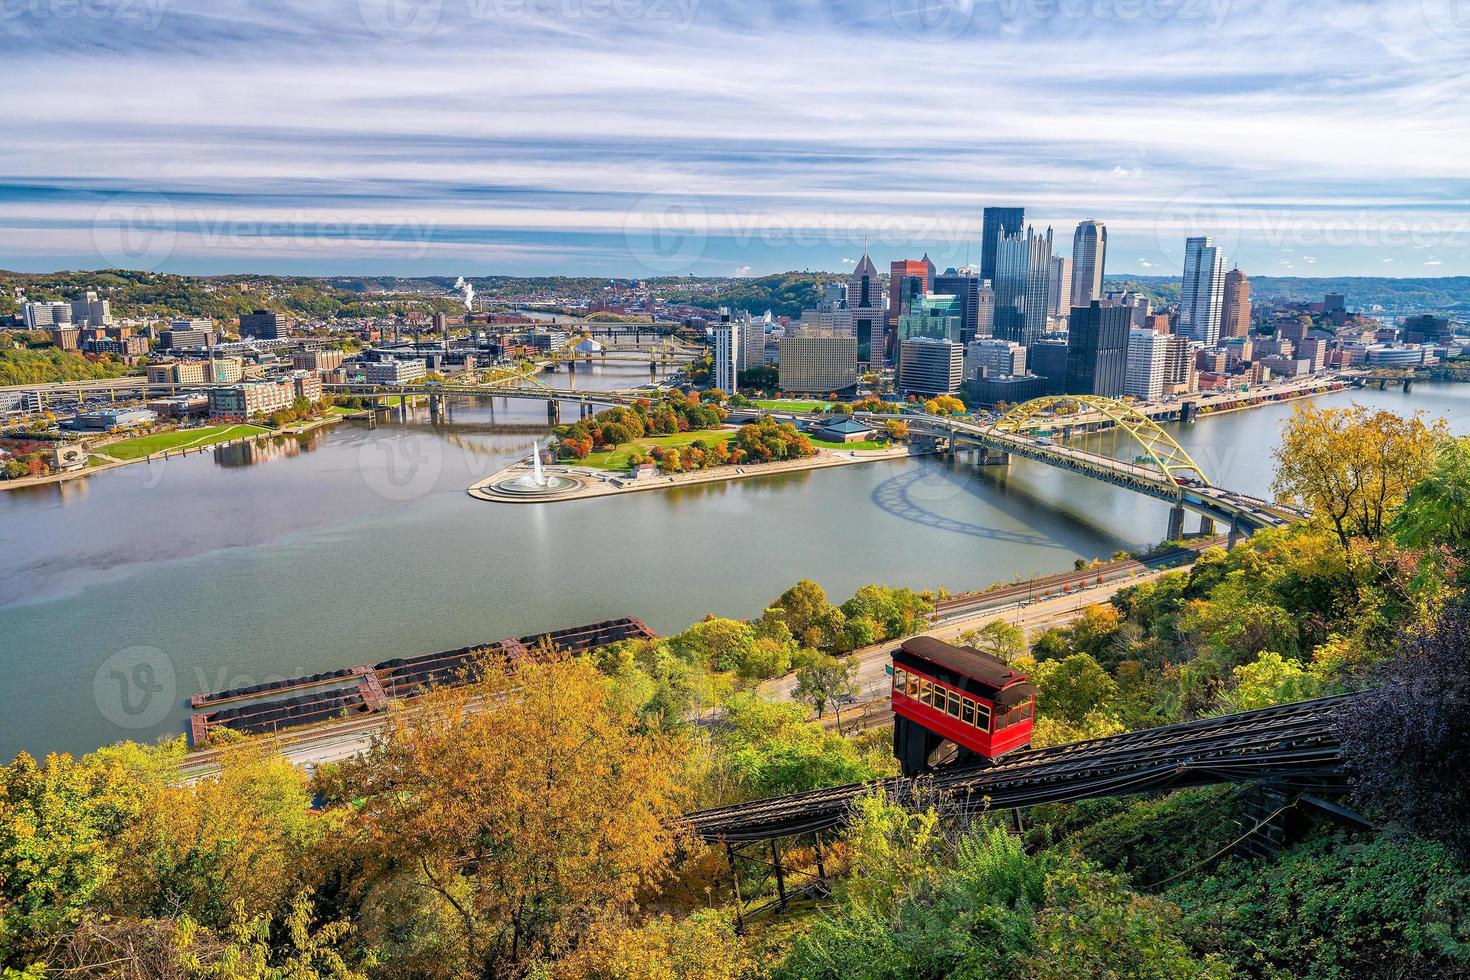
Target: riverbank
108 462
604 483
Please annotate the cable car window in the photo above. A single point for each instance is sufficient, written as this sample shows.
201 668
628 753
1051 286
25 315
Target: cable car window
1026 710
982 717
967 712
898 680
911 687
926 693
954 704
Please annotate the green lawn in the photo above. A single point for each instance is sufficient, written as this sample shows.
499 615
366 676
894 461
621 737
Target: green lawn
180 439
782 405
617 459
342 410
865 444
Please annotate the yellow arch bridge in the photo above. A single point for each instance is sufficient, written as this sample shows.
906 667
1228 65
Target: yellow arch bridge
1163 469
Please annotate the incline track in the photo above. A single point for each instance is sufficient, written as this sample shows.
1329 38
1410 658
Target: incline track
1292 746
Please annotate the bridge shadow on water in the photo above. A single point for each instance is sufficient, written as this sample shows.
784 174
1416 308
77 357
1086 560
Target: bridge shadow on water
911 494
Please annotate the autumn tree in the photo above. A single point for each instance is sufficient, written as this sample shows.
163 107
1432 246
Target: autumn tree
997 638
823 681
1353 466
529 805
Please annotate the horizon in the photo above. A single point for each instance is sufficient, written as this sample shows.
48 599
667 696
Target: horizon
663 137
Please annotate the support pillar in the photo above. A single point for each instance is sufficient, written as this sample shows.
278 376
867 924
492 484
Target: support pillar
780 876
735 883
572 366
1234 532
1176 524
817 848
553 412
1206 527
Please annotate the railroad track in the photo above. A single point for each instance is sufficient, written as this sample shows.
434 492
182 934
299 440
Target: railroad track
1292 746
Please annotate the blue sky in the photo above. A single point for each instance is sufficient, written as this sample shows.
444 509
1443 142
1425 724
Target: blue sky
643 137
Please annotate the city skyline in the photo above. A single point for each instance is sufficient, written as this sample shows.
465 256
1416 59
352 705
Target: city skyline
699 137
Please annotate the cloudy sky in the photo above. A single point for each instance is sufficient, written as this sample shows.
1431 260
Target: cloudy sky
642 137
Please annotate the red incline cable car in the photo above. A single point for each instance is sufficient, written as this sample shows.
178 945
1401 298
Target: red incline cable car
944 693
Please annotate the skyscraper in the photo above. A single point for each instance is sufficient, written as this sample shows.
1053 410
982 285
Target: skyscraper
726 353
963 284
1089 255
1059 287
1097 350
865 310
1147 365
998 222
1202 296
1022 277
1237 322
907 278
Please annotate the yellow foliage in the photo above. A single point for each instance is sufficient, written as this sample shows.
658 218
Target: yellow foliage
701 947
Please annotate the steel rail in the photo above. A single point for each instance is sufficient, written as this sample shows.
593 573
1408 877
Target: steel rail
1292 745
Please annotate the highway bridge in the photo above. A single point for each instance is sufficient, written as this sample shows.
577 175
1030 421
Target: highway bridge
1162 469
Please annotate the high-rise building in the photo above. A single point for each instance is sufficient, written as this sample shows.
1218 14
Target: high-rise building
992 357
89 311
726 353
1237 321
965 285
985 320
1048 359
1022 285
997 224
1146 364
1180 376
1202 295
753 341
817 361
266 325
933 315
907 280
1059 287
1097 350
44 316
865 311
1089 256
929 366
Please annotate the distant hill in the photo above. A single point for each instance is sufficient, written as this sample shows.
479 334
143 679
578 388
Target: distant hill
787 293
1449 295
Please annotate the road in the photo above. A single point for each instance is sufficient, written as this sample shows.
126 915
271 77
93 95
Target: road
1032 616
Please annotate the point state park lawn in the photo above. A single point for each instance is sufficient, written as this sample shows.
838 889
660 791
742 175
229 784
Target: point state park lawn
160 442
617 459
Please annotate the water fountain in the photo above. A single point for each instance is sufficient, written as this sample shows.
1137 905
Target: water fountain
537 483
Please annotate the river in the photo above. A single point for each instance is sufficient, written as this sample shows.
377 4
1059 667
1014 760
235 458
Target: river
128 591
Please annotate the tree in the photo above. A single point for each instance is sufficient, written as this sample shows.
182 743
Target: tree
898 429
528 821
1052 644
1436 513
1073 688
805 605
823 680
999 639
1353 466
1407 741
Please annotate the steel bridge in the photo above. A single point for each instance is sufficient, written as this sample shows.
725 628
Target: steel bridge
1162 469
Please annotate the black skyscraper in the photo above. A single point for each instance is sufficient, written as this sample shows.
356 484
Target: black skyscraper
997 221
967 288
1097 350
